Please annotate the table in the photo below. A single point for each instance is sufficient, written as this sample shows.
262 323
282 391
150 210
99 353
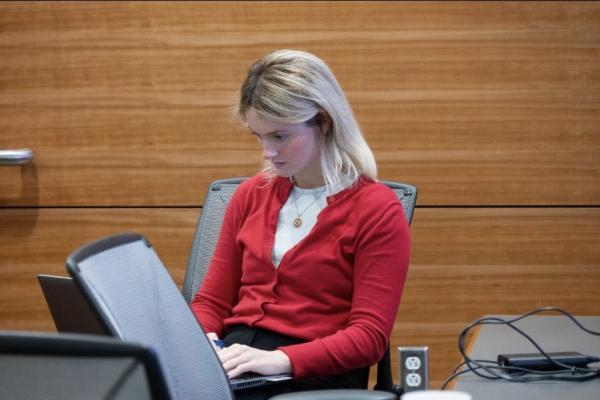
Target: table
552 333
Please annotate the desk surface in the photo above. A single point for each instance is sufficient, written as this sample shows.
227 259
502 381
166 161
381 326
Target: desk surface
553 333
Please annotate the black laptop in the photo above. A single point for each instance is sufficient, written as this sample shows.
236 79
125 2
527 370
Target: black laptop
70 311
72 314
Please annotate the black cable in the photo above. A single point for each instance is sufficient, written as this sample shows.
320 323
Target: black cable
494 320
518 374
552 375
454 375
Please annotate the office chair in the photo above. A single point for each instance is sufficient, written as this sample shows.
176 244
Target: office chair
135 298
207 232
66 366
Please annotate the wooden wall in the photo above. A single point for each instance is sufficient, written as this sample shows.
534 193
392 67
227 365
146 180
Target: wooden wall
491 109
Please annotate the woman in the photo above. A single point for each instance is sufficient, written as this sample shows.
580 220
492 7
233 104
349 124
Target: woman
311 260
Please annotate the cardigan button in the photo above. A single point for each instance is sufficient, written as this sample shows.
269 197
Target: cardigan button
331 200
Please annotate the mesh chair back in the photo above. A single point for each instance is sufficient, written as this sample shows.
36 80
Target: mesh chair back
136 300
407 194
58 367
207 232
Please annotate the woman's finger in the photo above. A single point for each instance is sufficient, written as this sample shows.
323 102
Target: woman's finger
238 356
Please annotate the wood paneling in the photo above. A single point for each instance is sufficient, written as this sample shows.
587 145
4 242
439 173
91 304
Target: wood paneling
35 241
465 263
475 103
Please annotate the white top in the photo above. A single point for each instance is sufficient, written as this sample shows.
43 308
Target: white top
309 202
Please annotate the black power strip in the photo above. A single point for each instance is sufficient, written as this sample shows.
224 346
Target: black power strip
538 362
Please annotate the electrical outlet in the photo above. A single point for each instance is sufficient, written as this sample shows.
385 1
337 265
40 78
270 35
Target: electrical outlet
412 363
413 380
413 368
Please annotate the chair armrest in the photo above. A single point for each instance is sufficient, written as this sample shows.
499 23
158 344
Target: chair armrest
337 394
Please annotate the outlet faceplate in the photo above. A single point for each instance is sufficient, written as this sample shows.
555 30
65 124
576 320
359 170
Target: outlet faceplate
413 368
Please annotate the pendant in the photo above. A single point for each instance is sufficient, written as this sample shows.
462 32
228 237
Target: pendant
297 223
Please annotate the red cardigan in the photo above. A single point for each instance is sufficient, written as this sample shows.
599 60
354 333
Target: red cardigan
339 288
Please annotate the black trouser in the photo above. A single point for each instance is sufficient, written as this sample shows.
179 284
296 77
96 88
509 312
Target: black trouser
267 340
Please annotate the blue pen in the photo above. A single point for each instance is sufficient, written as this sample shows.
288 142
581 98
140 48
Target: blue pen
219 343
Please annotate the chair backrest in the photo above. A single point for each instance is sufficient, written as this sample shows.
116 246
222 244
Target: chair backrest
207 233
407 194
52 367
136 300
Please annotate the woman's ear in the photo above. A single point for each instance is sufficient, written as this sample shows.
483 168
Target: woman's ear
324 122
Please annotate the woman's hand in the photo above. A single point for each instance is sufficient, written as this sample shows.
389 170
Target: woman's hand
238 359
212 337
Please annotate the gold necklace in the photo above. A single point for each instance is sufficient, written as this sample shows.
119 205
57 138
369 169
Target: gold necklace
298 220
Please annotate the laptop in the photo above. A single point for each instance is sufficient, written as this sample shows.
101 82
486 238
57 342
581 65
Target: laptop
72 314
70 311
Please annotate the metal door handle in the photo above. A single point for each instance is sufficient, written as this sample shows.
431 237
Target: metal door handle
15 157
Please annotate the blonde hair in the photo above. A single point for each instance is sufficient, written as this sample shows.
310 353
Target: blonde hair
290 86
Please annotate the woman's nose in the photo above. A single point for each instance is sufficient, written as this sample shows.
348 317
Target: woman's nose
268 151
